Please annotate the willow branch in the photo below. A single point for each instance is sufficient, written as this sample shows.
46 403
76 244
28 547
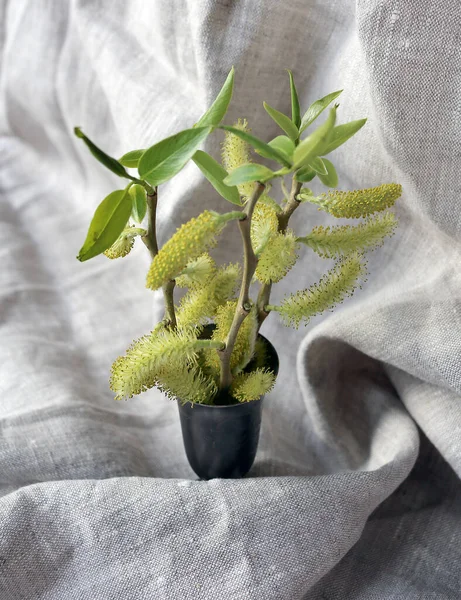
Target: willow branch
150 240
265 291
170 315
243 304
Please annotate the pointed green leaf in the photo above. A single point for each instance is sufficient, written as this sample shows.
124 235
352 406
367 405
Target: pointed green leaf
110 163
316 108
216 174
305 175
107 224
165 159
331 178
317 165
247 173
131 159
341 133
309 147
138 198
282 121
263 148
295 113
282 143
214 115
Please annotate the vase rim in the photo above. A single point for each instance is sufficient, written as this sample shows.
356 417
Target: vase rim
194 404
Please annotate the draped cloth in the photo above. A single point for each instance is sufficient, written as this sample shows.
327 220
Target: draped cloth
355 492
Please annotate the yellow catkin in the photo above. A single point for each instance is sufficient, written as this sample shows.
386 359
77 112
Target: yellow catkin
139 368
264 224
190 241
187 384
122 245
247 387
334 241
360 203
332 289
197 273
235 153
244 344
277 258
200 303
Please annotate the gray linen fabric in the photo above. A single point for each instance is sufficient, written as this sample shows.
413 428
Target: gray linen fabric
355 492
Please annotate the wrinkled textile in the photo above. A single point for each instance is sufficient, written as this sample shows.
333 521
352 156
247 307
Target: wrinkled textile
355 491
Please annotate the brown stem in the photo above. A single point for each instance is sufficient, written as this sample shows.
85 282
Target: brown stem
283 218
243 304
150 240
170 315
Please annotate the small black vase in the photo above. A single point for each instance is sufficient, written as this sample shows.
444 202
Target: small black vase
221 440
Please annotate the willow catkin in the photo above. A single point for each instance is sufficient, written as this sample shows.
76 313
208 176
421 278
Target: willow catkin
334 241
247 387
277 258
123 244
139 368
190 241
235 153
360 203
332 289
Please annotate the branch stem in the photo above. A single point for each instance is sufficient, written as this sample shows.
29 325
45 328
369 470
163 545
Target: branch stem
170 315
150 241
292 204
243 304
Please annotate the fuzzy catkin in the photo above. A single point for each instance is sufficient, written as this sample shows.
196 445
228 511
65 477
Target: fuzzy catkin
122 245
360 203
277 258
334 241
235 153
244 345
198 272
200 303
264 224
332 289
146 358
251 386
186 383
188 243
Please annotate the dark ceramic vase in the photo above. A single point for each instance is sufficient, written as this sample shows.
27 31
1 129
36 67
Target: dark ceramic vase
222 440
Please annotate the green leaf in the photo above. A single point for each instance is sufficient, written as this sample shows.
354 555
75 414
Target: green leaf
295 113
341 133
282 121
107 224
138 198
310 147
263 148
316 108
282 143
331 177
131 159
165 159
216 112
110 163
317 165
247 173
305 175
216 174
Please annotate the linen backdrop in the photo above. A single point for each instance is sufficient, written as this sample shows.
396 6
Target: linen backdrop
355 492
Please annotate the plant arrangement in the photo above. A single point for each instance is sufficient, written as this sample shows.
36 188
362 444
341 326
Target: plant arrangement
207 349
